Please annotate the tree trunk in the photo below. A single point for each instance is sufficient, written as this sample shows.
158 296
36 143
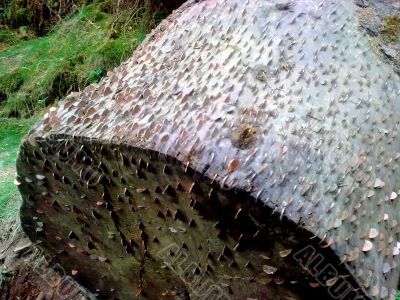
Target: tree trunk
247 150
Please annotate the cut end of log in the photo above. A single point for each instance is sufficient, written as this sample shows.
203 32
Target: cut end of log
128 222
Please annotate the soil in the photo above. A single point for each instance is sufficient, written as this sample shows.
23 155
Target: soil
26 273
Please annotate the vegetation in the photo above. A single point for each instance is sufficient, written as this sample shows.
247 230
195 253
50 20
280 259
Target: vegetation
39 15
391 28
11 132
4 273
36 72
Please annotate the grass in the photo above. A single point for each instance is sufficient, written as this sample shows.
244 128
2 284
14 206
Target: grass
36 72
9 36
11 132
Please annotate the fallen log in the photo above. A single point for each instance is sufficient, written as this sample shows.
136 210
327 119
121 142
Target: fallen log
248 149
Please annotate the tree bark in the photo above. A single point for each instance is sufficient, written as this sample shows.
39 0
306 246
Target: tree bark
247 150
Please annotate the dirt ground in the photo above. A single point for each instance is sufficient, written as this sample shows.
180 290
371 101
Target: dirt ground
26 273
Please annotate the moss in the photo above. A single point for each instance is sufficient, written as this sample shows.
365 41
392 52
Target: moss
391 28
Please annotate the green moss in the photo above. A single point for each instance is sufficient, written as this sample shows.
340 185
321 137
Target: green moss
391 28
